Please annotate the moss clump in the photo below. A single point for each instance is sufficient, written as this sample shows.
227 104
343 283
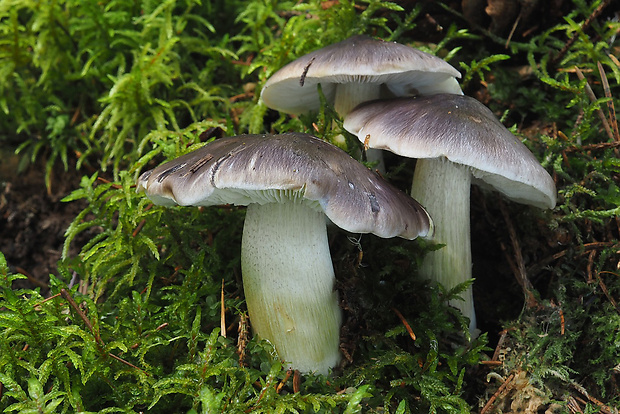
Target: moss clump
135 321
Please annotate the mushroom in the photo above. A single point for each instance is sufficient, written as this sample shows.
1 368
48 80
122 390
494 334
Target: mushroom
455 139
290 183
357 70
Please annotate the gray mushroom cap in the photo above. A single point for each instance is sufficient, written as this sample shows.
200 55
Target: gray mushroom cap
405 71
290 167
462 130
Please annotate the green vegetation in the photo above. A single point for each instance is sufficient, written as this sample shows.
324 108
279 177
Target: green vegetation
134 322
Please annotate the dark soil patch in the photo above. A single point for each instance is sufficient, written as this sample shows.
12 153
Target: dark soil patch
33 220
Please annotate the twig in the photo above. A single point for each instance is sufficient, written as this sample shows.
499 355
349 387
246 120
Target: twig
605 291
610 104
500 343
586 248
296 381
65 294
574 406
602 145
512 31
491 363
138 227
222 312
241 96
519 266
246 62
405 323
593 98
604 409
494 397
124 362
590 265
115 186
38 305
261 395
584 26
89 325
31 278
284 380
562 320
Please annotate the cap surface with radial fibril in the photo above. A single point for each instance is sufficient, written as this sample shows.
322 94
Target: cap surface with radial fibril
405 71
290 167
462 130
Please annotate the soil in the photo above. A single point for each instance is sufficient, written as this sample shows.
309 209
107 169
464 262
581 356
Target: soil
33 219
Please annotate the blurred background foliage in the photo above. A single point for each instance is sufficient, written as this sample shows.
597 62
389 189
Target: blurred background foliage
132 320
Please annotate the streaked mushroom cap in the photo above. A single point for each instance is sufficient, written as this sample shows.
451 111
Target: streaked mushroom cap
462 130
404 70
290 167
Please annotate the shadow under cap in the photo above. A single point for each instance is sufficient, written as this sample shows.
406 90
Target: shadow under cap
462 130
360 59
290 167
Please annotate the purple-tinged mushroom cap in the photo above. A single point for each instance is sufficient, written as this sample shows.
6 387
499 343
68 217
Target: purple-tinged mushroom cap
455 138
357 66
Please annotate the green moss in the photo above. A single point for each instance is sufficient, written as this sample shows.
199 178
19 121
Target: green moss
120 87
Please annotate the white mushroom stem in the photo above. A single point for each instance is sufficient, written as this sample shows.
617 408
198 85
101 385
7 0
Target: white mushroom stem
288 280
443 188
348 96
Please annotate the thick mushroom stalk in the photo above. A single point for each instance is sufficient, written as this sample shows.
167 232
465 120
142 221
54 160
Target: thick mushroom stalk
291 295
289 182
452 263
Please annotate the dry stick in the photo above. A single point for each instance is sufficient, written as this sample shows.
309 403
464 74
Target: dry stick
284 380
126 362
604 289
501 389
599 146
405 323
241 96
592 97
561 313
614 59
296 381
31 278
610 104
115 186
261 395
604 409
95 333
590 266
138 227
512 31
222 312
74 305
47 299
495 361
520 272
500 343
586 248
573 405
584 26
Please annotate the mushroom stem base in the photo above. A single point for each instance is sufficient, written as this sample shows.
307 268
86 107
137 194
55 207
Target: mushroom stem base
288 279
443 188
